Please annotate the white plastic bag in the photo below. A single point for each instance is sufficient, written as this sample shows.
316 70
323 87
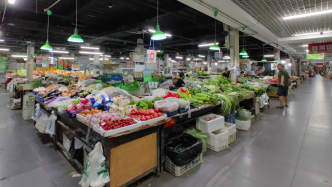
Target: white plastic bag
158 92
41 123
166 106
51 124
36 112
95 172
243 125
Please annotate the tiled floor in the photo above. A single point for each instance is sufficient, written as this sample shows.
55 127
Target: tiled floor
283 148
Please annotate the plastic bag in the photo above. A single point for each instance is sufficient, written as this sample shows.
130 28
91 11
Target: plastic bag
243 115
183 149
158 92
95 172
36 112
198 134
41 123
166 106
50 128
99 86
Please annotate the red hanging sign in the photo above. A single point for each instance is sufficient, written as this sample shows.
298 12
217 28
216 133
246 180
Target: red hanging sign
320 48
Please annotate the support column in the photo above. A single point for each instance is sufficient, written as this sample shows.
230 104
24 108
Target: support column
30 61
209 60
234 51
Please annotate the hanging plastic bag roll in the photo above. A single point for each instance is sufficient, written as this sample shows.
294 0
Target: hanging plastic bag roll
51 124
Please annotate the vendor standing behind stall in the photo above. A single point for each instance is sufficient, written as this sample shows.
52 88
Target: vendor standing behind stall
180 82
227 73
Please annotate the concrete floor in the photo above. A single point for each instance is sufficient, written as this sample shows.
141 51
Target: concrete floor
283 148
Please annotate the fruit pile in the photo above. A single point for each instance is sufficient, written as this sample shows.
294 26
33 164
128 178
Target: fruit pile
93 111
145 115
118 123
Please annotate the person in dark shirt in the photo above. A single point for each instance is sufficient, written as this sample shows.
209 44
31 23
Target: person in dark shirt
284 80
180 82
227 73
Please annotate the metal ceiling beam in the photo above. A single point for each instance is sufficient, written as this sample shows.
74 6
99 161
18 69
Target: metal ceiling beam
307 39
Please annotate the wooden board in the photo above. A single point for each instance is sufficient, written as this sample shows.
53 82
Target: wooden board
132 159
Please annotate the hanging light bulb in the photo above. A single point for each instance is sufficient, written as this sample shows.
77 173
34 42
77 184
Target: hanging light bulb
158 35
46 46
75 37
215 47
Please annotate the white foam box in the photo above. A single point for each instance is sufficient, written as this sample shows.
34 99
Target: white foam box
243 125
212 125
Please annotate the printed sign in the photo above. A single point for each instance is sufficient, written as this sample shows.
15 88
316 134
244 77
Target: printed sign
315 56
3 64
320 48
218 55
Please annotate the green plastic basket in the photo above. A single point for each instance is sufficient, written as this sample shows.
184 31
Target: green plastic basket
147 78
130 88
118 85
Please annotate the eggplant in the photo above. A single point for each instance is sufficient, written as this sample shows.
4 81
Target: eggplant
74 94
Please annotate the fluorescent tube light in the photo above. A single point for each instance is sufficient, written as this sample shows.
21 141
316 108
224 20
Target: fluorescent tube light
127 58
106 55
153 31
205 45
313 33
87 47
4 49
2 40
227 57
268 56
308 14
121 58
93 53
179 57
187 58
305 45
204 62
283 61
66 57
221 60
19 56
11 1
63 52
25 59
289 64
201 56
99 59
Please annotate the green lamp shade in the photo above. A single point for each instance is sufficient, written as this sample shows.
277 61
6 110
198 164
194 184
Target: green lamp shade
227 61
243 52
215 47
264 60
158 35
276 60
245 56
46 46
75 38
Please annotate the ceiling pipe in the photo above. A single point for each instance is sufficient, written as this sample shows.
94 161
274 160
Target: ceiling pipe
46 9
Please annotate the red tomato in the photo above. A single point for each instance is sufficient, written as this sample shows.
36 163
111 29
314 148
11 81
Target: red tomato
156 115
143 118
156 110
160 114
148 117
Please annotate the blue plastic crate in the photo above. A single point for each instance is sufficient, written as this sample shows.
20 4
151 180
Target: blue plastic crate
182 110
169 114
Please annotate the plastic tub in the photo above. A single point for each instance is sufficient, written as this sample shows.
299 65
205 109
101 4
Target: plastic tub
218 140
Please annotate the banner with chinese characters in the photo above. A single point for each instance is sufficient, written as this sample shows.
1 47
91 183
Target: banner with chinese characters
320 48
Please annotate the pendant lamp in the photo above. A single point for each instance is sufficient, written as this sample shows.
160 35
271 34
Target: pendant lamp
46 46
263 60
75 37
158 35
227 60
245 56
215 47
243 52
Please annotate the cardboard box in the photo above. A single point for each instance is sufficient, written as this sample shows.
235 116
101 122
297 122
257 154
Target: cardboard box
127 64
109 65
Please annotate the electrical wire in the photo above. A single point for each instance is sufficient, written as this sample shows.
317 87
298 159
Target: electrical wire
157 11
76 14
4 13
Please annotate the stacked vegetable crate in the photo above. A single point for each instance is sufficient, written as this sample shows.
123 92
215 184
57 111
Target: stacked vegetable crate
28 106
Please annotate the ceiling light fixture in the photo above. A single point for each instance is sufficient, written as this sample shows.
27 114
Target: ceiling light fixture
188 59
88 52
121 58
4 49
221 60
201 56
227 60
75 37
87 47
289 64
215 47
66 57
243 52
268 56
206 45
313 33
245 56
158 35
305 45
153 31
283 61
263 60
2 40
99 59
46 46
227 57
11 1
308 14
56 51
19 56
179 57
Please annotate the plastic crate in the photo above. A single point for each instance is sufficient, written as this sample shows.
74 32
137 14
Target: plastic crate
243 125
230 118
169 114
212 125
180 170
218 140
130 88
231 132
118 85
182 110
